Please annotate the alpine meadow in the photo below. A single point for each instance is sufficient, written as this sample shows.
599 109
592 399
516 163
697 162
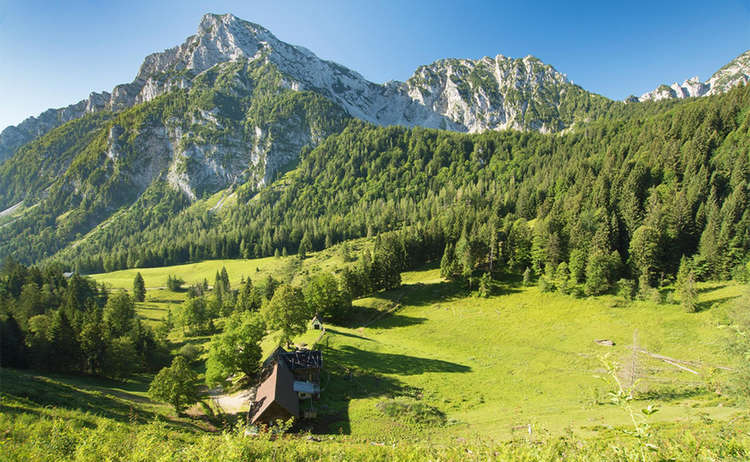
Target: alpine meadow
252 253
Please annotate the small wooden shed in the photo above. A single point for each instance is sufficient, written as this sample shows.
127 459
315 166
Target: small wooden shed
316 323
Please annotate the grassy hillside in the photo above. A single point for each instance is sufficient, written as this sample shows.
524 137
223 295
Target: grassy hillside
429 370
496 365
493 366
282 268
477 373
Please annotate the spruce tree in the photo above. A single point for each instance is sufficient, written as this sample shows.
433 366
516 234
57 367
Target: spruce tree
139 288
448 262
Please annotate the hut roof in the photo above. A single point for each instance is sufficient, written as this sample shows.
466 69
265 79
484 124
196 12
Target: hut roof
273 357
303 359
278 388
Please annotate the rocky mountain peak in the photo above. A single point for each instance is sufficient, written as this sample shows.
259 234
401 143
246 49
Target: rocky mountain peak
220 38
734 73
490 93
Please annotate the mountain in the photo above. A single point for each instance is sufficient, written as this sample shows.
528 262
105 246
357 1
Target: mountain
501 93
232 109
736 72
460 95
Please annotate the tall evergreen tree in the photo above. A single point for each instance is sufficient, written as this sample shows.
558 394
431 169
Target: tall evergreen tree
139 288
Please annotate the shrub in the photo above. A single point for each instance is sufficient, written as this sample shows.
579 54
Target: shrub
174 283
545 285
409 410
190 351
626 289
527 277
485 285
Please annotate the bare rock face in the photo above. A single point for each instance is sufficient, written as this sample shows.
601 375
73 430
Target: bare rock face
490 93
737 72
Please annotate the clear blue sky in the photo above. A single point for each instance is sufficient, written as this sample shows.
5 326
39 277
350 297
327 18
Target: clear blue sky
55 53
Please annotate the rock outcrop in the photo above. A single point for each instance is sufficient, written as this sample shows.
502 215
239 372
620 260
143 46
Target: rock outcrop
737 72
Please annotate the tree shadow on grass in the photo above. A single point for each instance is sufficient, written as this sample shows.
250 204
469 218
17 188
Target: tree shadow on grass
365 316
351 373
388 363
710 287
346 334
421 294
33 390
671 393
30 390
703 306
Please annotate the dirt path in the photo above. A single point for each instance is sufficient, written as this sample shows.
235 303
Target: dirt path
232 403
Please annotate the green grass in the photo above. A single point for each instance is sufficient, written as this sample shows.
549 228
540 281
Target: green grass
458 369
67 418
159 300
494 365
523 357
282 268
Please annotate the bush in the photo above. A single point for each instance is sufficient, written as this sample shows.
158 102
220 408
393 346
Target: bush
485 285
545 285
190 351
409 410
174 283
626 289
527 277
577 291
653 295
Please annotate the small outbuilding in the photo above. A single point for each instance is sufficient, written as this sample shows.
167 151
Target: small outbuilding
316 323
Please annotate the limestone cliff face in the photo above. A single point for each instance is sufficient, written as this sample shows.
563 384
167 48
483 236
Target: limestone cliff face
736 72
492 93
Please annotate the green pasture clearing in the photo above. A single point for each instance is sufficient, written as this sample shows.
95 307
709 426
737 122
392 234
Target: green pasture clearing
493 366
490 367
281 268
61 418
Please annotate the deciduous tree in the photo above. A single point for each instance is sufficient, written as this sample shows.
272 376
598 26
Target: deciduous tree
175 385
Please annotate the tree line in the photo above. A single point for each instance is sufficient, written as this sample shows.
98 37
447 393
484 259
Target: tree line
53 321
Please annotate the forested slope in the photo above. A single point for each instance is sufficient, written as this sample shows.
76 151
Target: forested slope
680 171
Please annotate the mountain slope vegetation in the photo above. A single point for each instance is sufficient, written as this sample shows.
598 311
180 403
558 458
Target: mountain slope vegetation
233 109
681 172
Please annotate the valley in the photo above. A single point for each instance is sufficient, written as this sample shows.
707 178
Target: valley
518 365
491 262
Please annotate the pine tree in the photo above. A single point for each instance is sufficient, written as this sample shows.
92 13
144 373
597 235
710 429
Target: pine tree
448 263
139 288
225 280
686 286
305 246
